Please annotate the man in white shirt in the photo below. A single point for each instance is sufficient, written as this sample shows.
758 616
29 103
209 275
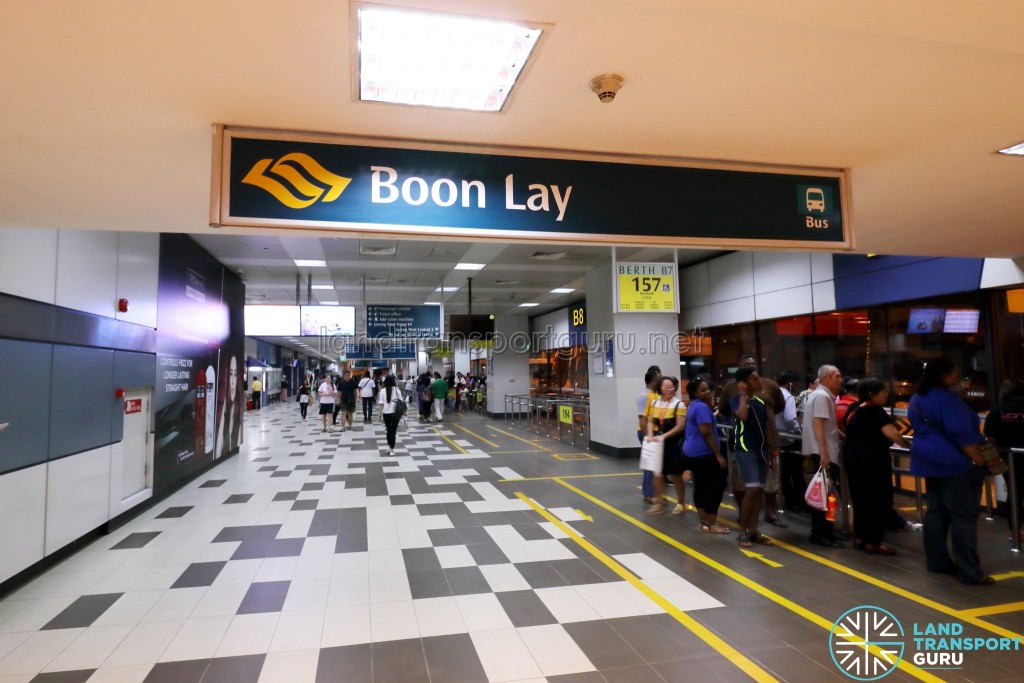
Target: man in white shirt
821 442
367 391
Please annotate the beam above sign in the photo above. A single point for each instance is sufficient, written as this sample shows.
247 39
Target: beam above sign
362 186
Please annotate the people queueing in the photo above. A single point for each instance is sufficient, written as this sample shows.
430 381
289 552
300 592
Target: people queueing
701 449
754 457
666 420
643 401
821 443
1005 424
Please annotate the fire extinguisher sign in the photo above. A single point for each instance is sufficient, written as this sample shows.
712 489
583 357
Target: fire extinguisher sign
133 405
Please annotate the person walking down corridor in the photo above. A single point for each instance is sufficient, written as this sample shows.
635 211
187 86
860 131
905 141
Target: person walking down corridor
303 399
367 391
439 390
388 396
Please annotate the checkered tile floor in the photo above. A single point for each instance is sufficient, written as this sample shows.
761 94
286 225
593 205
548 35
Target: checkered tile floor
313 556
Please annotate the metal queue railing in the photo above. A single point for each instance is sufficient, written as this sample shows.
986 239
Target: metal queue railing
565 419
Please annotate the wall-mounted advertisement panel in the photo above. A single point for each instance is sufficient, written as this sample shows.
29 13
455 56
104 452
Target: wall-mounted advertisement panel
403 322
328 320
429 190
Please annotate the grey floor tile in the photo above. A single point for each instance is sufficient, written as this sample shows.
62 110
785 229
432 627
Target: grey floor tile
532 532
466 580
213 483
472 535
199 574
577 572
267 596
285 547
190 671
79 676
439 537
585 677
602 645
351 543
453 659
399 661
136 540
174 512
540 575
243 669
524 608
82 612
418 559
305 504
237 498
487 553
429 583
286 495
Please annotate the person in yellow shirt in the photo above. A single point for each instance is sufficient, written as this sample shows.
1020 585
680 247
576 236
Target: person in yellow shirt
666 420
257 393
643 406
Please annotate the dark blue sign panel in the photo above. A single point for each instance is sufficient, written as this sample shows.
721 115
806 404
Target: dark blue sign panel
578 325
302 181
380 351
403 322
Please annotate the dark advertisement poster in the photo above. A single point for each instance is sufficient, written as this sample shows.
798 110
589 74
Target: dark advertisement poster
194 332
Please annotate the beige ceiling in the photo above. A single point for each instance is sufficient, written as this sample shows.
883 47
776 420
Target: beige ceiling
107 106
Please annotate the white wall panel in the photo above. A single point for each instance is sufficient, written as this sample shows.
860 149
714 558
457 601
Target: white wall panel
696 286
77 496
824 295
732 312
554 327
28 263
118 506
1002 272
778 270
87 271
692 318
783 304
731 276
138 255
23 510
821 266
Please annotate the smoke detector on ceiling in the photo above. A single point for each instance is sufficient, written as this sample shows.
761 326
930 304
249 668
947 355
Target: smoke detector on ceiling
606 86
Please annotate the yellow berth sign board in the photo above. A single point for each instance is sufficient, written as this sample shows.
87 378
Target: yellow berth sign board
565 414
646 288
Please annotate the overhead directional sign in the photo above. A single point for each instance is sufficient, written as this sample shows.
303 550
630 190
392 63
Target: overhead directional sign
403 322
380 351
359 185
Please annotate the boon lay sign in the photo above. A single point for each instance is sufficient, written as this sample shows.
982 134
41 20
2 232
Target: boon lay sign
302 181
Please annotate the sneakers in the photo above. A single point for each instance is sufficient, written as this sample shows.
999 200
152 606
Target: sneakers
910 526
678 509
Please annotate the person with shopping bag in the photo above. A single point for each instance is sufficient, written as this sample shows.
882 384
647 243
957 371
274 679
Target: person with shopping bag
665 424
820 432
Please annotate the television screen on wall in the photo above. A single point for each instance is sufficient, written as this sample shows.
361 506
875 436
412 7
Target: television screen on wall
271 321
926 320
961 321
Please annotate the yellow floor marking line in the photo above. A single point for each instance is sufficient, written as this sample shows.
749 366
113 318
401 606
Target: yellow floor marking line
573 456
736 576
757 556
513 452
454 445
570 476
1008 575
723 648
583 515
519 438
489 443
993 610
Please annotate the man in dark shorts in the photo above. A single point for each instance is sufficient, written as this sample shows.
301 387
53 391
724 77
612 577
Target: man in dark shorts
347 399
750 441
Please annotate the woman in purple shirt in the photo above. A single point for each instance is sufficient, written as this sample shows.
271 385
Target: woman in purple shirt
700 446
946 452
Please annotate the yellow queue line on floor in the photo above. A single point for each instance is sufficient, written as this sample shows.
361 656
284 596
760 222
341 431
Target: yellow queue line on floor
519 438
991 610
968 615
720 646
736 576
568 476
454 445
489 443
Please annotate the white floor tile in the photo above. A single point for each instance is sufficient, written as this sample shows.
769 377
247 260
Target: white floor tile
300 630
277 569
682 593
554 650
36 615
9 641
130 608
482 612
566 605
121 674
238 571
349 590
38 650
145 643
221 601
346 625
504 577
248 634
643 565
307 594
439 617
197 639
319 545
384 541
606 599
454 556
347 564
393 621
176 604
91 648
389 587
313 567
295 666
437 522
160 578
504 656
383 561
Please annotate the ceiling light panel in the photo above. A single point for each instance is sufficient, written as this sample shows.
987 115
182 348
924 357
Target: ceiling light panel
306 263
562 290
528 305
440 60
469 266
447 289
1017 150
323 287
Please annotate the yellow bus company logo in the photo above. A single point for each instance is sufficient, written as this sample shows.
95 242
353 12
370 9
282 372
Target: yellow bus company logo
286 179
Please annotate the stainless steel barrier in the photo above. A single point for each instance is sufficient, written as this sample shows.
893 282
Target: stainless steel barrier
565 419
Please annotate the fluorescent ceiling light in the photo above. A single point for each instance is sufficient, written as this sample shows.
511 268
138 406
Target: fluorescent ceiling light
440 60
447 289
328 303
1017 150
323 287
469 266
528 305
306 263
562 290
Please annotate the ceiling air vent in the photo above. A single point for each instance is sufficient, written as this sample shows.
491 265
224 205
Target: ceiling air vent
377 251
547 255
506 283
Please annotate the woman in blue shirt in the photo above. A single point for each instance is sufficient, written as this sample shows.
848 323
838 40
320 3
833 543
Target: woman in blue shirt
946 452
700 446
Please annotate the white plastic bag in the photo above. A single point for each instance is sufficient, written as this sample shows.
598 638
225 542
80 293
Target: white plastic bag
816 495
652 454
